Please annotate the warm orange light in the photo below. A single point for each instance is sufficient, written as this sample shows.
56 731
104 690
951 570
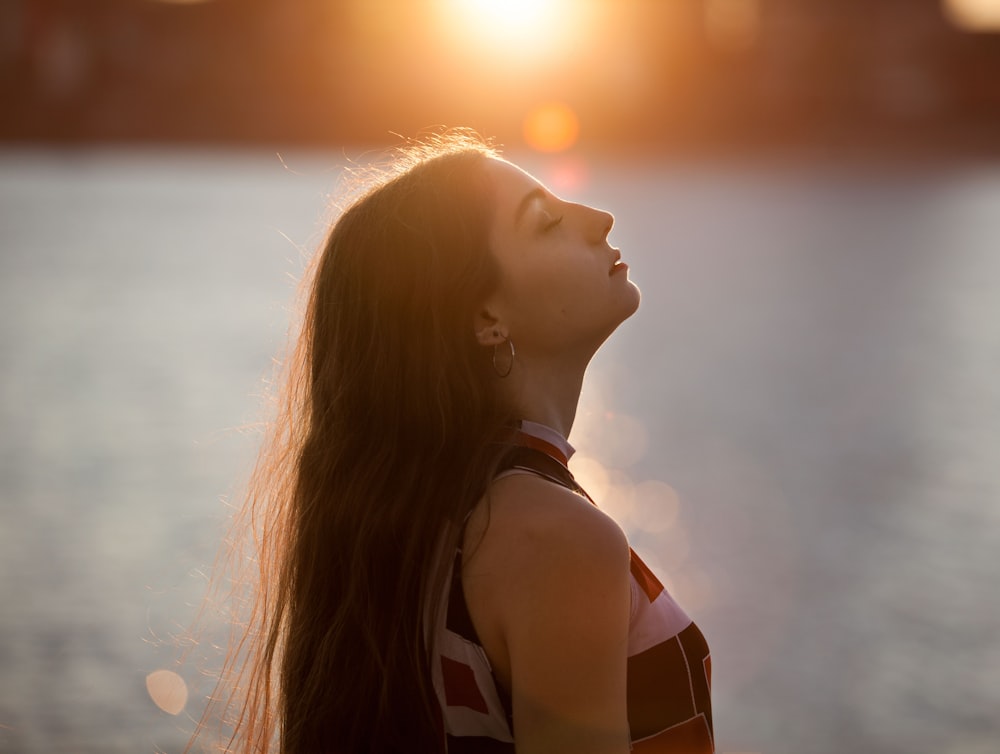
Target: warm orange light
567 174
507 17
591 474
552 127
732 25
973 15
517 34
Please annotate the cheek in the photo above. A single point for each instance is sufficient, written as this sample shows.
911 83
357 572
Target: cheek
550 285
562 298
554 286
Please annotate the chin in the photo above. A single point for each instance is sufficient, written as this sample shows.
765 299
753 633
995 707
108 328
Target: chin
628 309
636 300
628 306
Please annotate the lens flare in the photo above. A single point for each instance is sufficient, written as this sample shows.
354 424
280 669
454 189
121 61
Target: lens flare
567 173
551 127
618 501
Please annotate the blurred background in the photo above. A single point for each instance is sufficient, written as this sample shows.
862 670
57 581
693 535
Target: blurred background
648 74
800 429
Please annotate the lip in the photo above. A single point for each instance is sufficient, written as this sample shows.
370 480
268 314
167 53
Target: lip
616 264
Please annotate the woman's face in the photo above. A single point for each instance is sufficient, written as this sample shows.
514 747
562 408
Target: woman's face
562 288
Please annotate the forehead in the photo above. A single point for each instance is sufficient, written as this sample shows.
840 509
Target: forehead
512 185
508 174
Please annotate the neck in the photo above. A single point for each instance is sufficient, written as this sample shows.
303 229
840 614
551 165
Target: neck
547 393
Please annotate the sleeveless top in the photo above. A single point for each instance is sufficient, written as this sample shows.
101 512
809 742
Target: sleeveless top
669 665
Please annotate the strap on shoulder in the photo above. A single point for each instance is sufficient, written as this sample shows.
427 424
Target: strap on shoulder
540 463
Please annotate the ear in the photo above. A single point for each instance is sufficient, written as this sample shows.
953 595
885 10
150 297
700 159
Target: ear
489 331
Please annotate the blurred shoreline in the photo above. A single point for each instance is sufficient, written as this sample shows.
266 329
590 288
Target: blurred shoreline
700 77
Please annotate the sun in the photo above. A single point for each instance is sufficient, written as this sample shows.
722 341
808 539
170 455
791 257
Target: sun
526 31
508 16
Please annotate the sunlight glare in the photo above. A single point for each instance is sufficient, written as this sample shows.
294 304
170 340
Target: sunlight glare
516 33
509 16
973 15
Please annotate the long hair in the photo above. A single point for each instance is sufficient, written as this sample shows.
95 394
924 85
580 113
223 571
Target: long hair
386 437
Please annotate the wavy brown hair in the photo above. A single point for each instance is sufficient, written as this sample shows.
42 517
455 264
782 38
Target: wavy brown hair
385 437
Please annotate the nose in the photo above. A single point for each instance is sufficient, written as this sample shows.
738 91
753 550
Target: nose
599 224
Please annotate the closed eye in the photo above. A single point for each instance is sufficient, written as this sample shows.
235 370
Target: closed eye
551 224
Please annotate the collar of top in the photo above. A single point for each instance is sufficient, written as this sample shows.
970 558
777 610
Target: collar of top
544 438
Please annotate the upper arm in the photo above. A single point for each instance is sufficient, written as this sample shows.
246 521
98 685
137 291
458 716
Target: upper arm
563 609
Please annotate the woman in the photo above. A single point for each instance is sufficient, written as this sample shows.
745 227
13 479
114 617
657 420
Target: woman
431 577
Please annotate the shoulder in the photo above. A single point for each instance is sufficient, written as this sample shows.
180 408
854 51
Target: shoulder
533 542
536 521
548 589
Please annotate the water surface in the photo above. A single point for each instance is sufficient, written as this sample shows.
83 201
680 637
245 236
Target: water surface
800 429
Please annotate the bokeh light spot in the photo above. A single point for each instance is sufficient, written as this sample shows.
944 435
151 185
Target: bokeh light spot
567 174
591 475
658 505
625 439
167 690
551 127
618 501
973 15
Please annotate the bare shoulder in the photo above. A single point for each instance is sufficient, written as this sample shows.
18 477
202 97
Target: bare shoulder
547 585
532 541
529 521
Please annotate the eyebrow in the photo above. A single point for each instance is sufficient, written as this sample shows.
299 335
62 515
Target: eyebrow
527 199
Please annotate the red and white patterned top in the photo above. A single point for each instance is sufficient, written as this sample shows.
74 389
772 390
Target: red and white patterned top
669 665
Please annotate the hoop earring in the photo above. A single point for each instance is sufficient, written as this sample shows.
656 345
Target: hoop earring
510 364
